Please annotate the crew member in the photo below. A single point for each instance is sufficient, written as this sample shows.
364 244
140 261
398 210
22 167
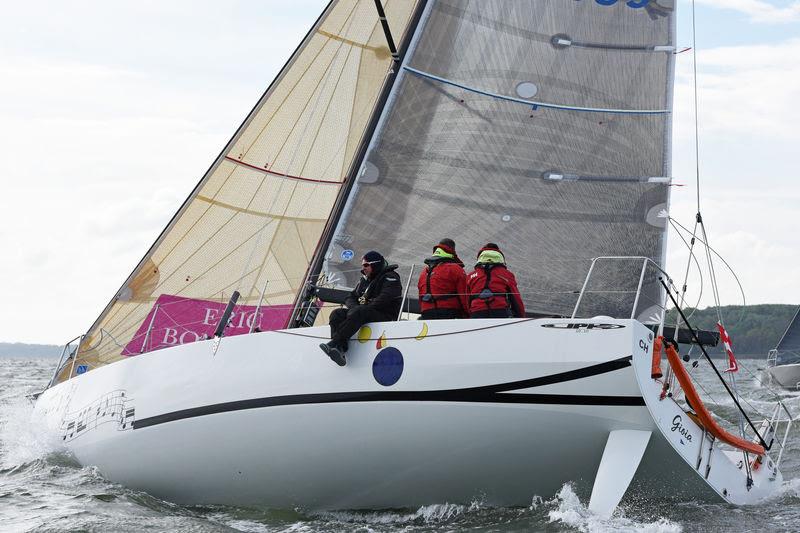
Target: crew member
377 297
443 284
492 288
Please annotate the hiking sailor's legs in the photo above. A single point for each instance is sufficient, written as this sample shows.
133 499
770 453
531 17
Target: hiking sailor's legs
344 328
336 320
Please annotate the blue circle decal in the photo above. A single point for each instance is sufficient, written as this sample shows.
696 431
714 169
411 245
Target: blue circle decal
347 255
388 366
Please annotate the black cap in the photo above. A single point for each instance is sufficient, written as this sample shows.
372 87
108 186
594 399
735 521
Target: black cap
373 257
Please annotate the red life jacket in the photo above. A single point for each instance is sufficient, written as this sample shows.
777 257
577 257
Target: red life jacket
443 285
493 286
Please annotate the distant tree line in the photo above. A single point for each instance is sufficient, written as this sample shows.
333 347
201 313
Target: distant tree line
18 349
754 329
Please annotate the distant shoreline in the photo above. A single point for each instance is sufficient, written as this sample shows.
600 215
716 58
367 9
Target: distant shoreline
20 349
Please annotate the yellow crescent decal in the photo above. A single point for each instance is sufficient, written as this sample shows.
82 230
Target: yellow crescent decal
423 333
364 334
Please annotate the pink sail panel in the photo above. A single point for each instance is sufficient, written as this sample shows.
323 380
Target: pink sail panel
180 320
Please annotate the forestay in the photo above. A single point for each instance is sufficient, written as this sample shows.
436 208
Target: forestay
543 126
256 217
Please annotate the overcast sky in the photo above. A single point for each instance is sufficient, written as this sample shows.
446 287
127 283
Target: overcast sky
110 112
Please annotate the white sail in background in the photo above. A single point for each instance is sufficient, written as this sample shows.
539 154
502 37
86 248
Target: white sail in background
256 217
542 126
788 348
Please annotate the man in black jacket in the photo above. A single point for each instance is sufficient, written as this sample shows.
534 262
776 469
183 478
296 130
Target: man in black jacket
376 298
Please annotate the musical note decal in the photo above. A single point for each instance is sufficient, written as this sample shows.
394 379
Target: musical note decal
113 407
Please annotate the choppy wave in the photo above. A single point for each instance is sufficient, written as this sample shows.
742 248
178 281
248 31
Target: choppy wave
571 512
23 435
428 514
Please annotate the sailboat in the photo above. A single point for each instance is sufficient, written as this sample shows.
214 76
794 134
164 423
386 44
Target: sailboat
544 126
783 362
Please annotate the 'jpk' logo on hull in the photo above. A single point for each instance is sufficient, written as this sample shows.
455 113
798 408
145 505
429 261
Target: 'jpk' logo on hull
580 325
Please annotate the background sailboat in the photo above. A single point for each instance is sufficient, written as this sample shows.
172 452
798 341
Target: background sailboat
783 362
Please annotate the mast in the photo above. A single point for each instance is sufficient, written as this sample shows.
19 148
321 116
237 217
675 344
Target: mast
378 116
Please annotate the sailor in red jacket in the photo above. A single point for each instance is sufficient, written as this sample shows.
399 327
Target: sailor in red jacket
492 288
443 284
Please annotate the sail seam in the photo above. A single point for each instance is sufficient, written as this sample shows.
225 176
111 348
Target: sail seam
257 213
352 42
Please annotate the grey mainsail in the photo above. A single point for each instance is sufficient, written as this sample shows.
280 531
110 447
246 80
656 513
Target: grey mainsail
541 125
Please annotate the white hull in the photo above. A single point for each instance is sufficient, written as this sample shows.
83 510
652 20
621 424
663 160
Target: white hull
787 376
498 410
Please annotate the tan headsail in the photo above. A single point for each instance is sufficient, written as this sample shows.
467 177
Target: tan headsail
255 218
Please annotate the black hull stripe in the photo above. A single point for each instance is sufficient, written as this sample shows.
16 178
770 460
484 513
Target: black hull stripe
570 375
390 396
486 394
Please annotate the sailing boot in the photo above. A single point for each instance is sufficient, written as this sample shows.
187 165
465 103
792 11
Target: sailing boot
333 351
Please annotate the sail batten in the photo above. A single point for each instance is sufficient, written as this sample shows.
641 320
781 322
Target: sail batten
535 103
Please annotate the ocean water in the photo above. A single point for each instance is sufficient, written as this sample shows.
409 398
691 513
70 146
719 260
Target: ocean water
43 489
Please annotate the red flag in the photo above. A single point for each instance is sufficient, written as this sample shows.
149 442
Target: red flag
733 366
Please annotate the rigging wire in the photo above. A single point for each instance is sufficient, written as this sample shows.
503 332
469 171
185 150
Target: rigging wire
727 265
692 255
688 264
